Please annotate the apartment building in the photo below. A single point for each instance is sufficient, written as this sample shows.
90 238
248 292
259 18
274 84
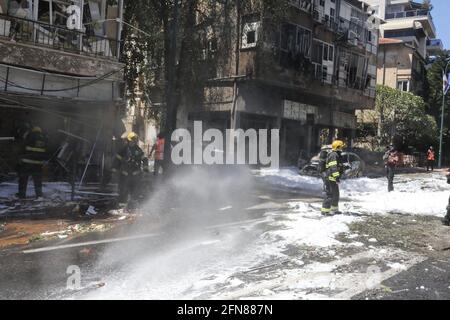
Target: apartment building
60 70
304 74
405 44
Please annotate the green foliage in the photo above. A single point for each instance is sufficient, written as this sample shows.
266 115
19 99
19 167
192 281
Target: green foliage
434 98
403 115
200 21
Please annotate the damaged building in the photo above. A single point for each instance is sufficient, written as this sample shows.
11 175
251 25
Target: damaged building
304 74
60 70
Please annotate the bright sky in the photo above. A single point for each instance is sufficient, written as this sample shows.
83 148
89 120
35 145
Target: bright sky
441 17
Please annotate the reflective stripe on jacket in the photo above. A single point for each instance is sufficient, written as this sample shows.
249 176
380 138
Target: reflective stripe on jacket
129 161
334 167
34 151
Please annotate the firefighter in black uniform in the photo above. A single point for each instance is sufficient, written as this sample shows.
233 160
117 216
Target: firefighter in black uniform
447 217
334 170
128 163
31 162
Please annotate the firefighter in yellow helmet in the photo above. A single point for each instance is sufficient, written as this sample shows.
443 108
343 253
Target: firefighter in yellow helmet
129 163
333 173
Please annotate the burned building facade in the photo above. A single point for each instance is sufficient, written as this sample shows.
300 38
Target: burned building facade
304 73
60 70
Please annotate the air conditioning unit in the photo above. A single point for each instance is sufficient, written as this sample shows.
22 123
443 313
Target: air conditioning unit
352 37
305 5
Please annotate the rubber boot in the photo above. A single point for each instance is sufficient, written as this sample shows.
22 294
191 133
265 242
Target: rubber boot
446 220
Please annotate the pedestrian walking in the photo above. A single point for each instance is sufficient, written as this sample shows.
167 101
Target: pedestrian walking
391 160
431 158
158 148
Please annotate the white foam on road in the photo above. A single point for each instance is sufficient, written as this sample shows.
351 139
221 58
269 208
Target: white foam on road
213 265
416 194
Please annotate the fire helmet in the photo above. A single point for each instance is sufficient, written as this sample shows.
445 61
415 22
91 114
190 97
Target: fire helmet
338 145
132 136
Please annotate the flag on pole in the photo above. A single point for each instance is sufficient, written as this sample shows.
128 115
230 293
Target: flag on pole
446 83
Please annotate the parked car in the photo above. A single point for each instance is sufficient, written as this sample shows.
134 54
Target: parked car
354 166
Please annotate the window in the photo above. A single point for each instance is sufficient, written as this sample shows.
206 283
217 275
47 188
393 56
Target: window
304 5
403 85
296 39
352 70
332 12
295 45
304 41
322 52
250 35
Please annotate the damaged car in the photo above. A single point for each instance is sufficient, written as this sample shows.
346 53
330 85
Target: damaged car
353 165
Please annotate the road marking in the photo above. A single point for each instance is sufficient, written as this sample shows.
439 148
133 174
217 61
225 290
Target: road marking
152 235
237 223
90 243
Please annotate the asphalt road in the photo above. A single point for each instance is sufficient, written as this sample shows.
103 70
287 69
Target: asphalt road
40 271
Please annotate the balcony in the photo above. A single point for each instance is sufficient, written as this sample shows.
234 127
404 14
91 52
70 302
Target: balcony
57 37
408 14
422 15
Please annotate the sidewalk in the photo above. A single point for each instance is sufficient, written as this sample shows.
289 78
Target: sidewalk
57 217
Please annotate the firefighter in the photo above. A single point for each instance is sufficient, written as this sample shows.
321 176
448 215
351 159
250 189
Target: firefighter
129 163
431 157
447 217
31 162
391 160
333 172
158 148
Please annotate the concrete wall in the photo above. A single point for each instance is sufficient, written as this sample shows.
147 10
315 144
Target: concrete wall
394 64
20 54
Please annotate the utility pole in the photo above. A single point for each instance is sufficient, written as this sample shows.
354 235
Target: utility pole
171 108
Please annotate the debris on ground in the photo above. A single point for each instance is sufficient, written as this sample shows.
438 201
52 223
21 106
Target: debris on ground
91 211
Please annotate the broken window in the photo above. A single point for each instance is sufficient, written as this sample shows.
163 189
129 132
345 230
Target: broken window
250 35
295 45
354 74
79 25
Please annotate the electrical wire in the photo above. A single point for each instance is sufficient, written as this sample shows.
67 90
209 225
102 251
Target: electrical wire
63 115
12 84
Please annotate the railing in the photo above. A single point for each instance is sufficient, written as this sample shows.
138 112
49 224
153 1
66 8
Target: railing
56 37
408 14
356 33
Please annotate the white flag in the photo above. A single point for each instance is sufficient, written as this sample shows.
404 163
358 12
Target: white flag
446 84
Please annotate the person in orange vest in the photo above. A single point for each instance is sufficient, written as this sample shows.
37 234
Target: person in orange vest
431 158
158 148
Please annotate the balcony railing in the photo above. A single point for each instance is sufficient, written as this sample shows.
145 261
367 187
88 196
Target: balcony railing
408 14
56 37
